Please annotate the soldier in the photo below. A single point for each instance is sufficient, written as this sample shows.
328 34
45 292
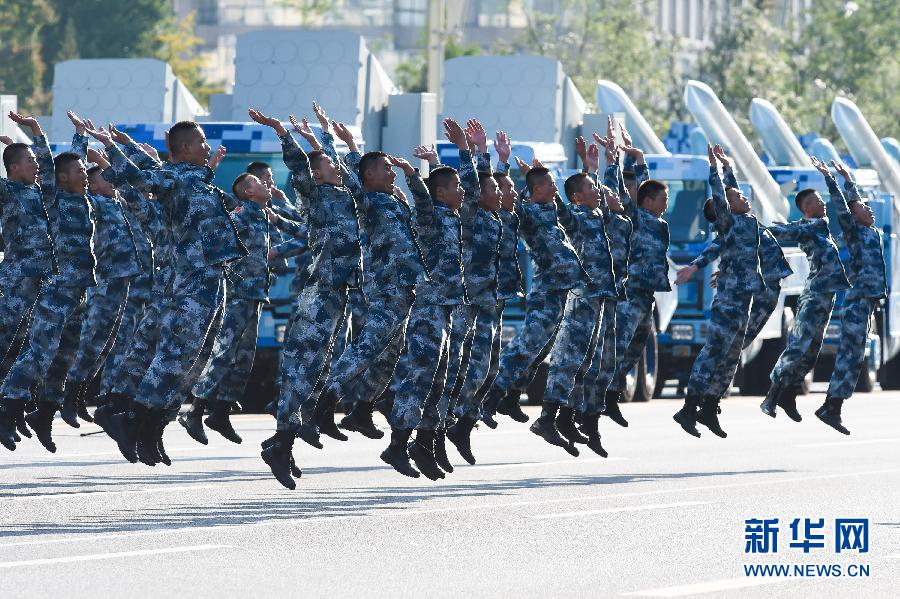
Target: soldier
223 380
826 277
648 272
865 269
739 280
30 258
206 240
117 266
72 223
578 337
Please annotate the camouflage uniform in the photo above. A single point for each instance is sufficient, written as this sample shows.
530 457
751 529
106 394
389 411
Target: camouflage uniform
418 394
72 224
205 239
866 271
30 252
826 277
578 337
598 376
739 280
226 373
334 255
648 272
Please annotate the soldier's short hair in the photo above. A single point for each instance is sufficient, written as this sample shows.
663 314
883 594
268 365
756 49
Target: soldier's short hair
64 162
535 176
709 210
237 188
573 185
801 196
483 178
258 168
13 153
368 161
650 188
315 157
180 133
500 176
94 171
441 176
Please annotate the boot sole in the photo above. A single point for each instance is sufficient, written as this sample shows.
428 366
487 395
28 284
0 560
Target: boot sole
182 420
838 427
719 433
691 430
376 433
288 482
230 435
468 456
426 464
569 447
412 472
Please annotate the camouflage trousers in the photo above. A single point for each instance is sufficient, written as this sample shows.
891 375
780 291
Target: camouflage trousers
518 361
427 340
51 312
142 347
856 315
316 319
378 346
599 374
484 359
764 303
105 311
131 318
17 298
718 359
634 321
576 344
452 370
805 339
197 299
226 373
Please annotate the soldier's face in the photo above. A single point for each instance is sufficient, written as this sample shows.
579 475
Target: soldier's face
490 195
738 203
507 194
380 176
195 150
75 179
589 196
326 171
658 203
267 179
814 206
256 191
97 185
862 214
543 190
25 169
451 195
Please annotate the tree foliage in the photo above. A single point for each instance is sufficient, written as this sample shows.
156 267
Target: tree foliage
412 75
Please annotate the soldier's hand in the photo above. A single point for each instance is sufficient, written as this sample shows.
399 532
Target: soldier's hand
535 163
581 149
320 114
80 125
610 130
120 137
635 153
478 135
426 153
27 121
841 168
820 166
268 121
101 135
720 154
714 280
306 132
97 158
524 167
593 158
217 158
626 138
344 134
455 134
151 151
277 193
503 147
6 140
402 164
685 274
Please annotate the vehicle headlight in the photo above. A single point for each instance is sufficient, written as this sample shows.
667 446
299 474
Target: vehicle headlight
681 332
833 331
279 332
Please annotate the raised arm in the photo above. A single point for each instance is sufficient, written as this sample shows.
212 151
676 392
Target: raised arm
293 155
845 218
155 181
724 218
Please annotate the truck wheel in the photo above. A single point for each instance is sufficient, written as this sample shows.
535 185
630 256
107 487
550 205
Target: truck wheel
890 374
647 370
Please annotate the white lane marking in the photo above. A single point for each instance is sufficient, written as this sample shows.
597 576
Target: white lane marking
101 556
572 461
705 587
616 510
66 457
65 495
848 443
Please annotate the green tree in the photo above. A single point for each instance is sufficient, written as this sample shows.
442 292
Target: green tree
177 45
310 11
607 39
412 76
22 68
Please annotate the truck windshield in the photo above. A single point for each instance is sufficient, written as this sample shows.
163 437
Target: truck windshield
685 211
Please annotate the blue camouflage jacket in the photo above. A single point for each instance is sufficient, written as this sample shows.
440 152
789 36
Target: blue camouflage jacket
203 233
509 276
866 265
481 235
648 265
619 229
117 252
826 273
28 235
248 277
73 216
587 230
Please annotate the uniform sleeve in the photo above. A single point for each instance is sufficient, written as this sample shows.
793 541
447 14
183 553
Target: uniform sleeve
298 163
484 163
46 169
469 209
351 165
290 248
159 182
80 145
724 218
291 227
728 177
288 212
566 217
423 201
708 255
140 157
328 146
503 168
845 218
794 232
641 174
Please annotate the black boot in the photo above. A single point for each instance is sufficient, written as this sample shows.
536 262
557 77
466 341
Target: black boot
769 405
148 438
170 417
611 409
111 403
70 404
440 451
21 425
591 427
41 422
687 415
709 416
830 414
220 421
787 401
492 399
192 421
324 416
277 454
81 401
395 455
421 450
125 429
460 434
272 408
8 416
545 428
359 420
565 424
509 406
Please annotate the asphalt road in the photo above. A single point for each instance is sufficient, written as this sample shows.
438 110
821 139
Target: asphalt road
663 516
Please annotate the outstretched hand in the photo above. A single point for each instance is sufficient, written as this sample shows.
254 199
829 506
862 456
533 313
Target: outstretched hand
344 134
478 135
151 151
6 140
593 157
320 114
685 274
524 167
720 154
97 157
101 135
120 137
427 153
268 121
820 166
581 149
27 121
503 147
841 168
217 158
306 132
455 134
80 125
402 164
